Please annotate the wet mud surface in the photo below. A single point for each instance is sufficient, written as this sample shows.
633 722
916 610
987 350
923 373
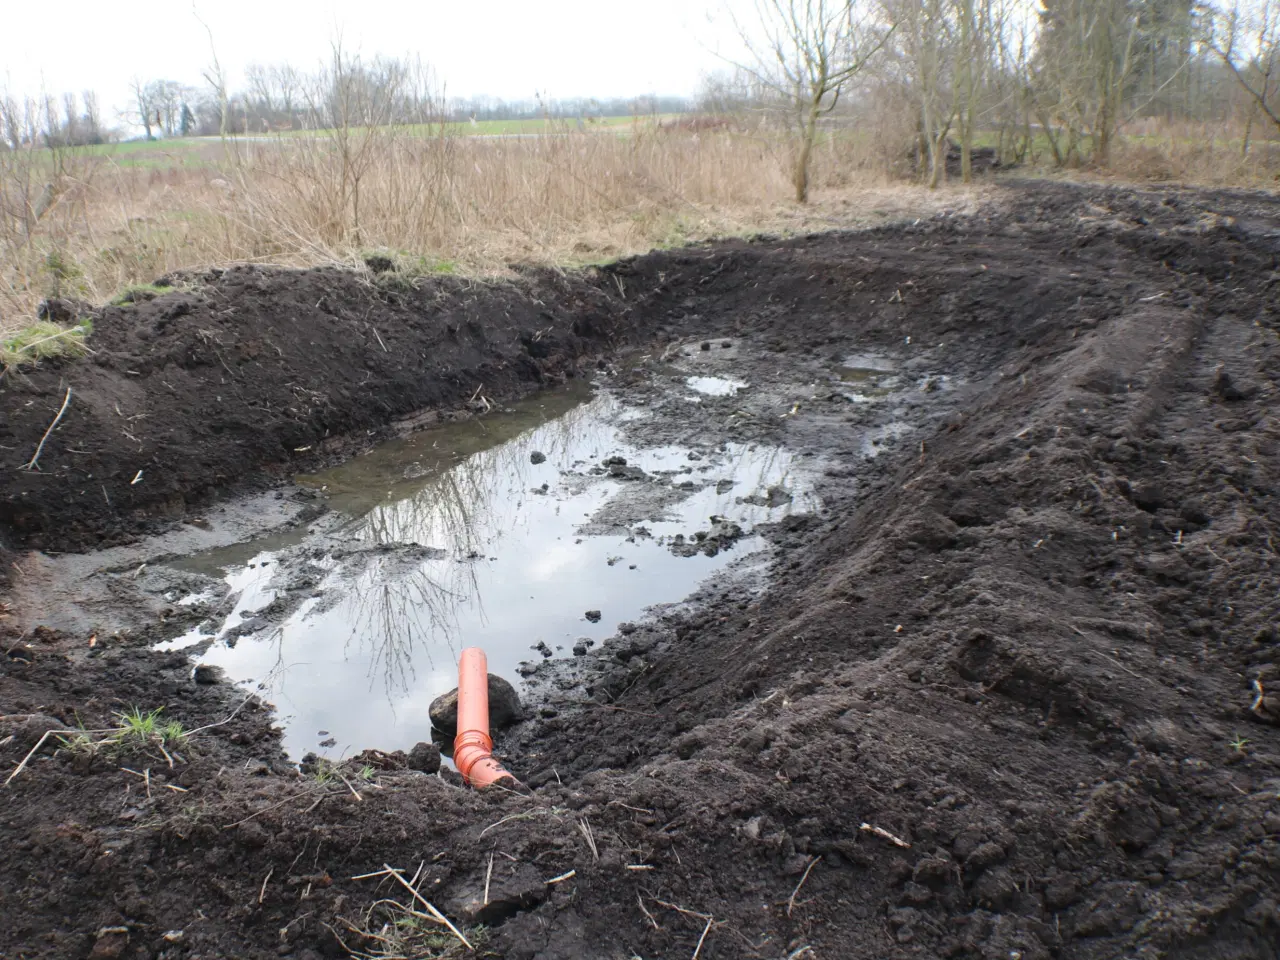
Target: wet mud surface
1001 678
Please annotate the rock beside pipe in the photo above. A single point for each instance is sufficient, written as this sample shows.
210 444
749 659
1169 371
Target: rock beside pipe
504 707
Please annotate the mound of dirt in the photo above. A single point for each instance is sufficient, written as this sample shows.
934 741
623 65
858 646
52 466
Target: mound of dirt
1013 699
243 376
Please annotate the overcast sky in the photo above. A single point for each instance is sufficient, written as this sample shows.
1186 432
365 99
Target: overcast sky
503 48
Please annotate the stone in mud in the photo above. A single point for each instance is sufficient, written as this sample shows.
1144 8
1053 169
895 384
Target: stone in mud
593 616
1232 390
722 535
775 496
537 457
504 707
582 646
110 943
208 673
425 757
614 461
623 472
542 648
706 344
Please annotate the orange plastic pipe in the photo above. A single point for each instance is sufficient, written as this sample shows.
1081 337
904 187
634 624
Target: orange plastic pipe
473 747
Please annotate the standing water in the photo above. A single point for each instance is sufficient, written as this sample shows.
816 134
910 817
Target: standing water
525 533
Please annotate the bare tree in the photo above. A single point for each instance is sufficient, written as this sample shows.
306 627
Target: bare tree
926 53
143 110
807 52
1247 41
92 119
216 78
1087 59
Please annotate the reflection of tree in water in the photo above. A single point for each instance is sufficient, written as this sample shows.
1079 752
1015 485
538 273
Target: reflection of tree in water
755 469
396 612
397 603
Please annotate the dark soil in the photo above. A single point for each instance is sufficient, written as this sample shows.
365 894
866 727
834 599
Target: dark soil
239 378
1017 699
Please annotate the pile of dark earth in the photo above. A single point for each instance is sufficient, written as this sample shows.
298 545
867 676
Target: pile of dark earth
1017 700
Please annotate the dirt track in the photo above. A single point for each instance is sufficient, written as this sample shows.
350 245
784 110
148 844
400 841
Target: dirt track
1033 651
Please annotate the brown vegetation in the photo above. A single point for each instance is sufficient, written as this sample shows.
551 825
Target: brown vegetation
437 202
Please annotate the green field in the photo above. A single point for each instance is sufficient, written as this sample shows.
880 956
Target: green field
201 151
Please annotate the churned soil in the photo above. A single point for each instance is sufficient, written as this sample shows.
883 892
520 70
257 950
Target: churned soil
1019 697
241 377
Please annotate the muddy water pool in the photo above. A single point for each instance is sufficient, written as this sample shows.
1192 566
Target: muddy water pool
528 532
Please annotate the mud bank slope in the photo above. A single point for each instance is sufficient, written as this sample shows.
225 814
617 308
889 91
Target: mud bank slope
242 376
1015 698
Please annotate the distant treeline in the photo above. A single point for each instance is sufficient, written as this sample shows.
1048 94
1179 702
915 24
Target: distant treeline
278 98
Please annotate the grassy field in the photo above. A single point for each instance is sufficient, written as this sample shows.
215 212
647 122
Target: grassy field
161 154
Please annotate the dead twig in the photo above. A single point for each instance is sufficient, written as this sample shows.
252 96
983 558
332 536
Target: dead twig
703 939
523 815
262 894
354 791
488 875
231 716
35 458
435 914
679 909
585 826
563 877
40 743
645 911
791 903
896 841
274 806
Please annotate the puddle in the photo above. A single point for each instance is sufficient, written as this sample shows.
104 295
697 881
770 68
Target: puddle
866 366
715 386
501 533
870 377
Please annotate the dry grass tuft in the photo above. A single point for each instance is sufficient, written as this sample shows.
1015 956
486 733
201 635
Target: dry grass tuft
1201 154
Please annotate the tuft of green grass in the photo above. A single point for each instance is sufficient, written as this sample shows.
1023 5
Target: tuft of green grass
136 725
138 293
1239 744
148 728
423 266
173 732
81 744
43 340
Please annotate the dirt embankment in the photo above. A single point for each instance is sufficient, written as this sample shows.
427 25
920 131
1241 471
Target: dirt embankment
240 377
1019 698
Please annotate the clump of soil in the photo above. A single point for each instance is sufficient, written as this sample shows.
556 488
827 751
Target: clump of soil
1010 699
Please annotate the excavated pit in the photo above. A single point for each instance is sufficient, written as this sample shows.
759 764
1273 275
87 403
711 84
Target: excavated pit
999 679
